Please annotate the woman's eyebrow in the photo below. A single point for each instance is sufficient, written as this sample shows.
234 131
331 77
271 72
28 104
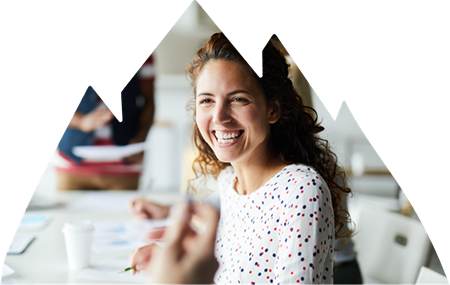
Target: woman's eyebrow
229 94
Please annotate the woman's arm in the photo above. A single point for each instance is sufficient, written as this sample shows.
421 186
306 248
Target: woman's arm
306 235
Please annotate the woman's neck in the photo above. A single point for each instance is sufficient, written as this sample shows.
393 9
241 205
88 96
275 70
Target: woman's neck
252 176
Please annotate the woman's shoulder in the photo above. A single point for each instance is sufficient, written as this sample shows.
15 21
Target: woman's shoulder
300 176
300 170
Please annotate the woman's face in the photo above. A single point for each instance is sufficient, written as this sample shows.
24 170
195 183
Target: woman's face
231 112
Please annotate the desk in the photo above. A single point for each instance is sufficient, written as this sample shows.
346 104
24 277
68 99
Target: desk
45 260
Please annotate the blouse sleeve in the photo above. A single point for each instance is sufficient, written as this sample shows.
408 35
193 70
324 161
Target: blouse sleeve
306 234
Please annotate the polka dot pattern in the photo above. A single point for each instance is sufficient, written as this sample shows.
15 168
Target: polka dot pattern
281 233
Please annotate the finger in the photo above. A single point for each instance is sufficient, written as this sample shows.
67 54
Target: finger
138 206
131 204
140 257
140 210
180 215
210 216
157 234
131 262
107 117
108 112
139 267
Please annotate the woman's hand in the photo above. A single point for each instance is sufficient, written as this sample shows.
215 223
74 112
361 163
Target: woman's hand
186 257
145 209
89 122
141 257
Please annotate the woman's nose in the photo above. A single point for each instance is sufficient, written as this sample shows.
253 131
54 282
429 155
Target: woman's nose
221 114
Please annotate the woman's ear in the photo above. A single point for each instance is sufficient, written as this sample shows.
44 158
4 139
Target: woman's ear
274 112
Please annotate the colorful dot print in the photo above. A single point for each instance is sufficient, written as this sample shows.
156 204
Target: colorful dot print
281 233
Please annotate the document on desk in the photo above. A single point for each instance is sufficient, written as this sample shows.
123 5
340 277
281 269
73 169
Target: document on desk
33 222
108 270
114 236
19 244
103 202
108 152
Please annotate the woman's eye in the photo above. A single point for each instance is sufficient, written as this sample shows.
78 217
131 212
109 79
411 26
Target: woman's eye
205 101
238 99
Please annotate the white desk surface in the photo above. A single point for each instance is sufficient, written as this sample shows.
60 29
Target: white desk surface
45 260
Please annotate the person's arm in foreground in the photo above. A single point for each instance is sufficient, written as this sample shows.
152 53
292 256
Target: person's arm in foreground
187 256
306 236
145 209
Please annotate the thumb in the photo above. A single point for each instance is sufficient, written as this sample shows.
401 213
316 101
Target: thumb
207 239
138 206
180 215
140 210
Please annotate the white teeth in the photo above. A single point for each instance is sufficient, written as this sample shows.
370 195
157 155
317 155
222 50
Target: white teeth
226 137
225 141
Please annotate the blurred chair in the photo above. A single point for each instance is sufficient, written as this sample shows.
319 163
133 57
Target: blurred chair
428 276
391 247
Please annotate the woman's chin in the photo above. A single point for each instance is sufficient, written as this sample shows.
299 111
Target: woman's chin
225 158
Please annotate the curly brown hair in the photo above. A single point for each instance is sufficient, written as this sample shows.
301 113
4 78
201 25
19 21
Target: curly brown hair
298 123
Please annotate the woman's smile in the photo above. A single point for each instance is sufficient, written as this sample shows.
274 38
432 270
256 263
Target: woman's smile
227 138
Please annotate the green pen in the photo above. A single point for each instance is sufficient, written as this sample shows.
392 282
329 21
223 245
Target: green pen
128 269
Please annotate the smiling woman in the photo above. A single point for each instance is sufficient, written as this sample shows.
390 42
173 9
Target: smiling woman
281 201
232 115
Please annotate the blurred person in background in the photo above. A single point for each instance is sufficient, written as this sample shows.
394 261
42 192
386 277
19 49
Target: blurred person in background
93 124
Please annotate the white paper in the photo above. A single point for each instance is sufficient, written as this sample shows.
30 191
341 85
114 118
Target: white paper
32 222
108 152
108 270
7 270
112 202
19 244
121 236
133 227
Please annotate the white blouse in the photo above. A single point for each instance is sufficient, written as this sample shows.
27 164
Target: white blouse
281 233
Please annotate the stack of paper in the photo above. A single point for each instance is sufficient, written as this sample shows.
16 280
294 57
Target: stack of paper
107 153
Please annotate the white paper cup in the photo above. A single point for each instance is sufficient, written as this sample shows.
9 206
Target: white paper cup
78 236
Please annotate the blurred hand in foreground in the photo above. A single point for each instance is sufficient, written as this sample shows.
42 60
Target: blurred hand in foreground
187 257
141 257
145 209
